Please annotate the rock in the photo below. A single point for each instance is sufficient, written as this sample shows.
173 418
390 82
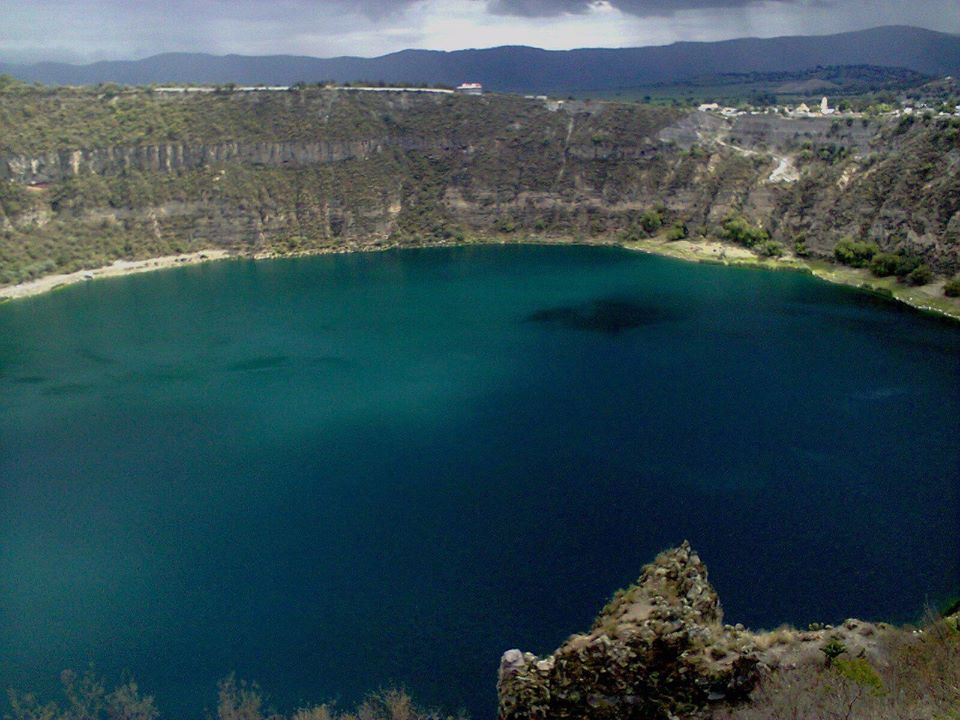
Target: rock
511 661
657 650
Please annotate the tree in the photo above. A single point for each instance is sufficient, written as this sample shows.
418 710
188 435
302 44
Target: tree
855 253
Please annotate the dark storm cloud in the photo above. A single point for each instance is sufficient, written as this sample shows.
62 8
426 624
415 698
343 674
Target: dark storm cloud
640 8
87 30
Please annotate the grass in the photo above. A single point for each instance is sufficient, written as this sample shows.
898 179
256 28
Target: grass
886 287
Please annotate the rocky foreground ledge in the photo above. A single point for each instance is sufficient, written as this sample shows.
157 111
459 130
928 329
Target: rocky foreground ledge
659 649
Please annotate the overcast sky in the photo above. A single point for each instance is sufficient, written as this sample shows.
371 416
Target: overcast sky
88 30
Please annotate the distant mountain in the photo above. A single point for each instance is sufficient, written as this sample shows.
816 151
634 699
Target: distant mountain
526 69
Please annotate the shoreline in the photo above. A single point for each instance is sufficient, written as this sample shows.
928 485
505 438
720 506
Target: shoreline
700 251
927 299
119 268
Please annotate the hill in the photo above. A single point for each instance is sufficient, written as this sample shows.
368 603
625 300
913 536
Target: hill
532 70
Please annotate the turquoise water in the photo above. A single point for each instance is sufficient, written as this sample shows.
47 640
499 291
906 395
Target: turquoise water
335 473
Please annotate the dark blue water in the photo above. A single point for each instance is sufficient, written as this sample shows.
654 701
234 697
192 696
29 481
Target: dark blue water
336 473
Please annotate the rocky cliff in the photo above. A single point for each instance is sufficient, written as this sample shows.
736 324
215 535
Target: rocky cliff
87 177
659 651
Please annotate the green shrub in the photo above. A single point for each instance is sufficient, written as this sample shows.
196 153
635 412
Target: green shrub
650 221
769 248
678 231
855 253
632 234
921 275
861 672
952 287
884 264
738 229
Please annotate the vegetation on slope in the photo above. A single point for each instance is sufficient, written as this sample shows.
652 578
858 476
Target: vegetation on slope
915 675
96 175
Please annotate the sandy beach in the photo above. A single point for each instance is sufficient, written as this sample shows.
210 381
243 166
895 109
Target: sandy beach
118 268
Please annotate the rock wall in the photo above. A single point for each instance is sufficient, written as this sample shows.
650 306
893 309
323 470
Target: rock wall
57 166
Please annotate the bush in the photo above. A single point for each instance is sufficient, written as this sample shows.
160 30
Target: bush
861 672
899 264
632 234
770 248
921 275
884 264
855 253
952 287
738 229
650 221
917 676
678 231
87 699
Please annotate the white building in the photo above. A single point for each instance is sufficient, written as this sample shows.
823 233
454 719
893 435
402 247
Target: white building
470 89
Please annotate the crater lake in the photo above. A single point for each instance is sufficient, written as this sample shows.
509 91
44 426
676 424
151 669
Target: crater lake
337 473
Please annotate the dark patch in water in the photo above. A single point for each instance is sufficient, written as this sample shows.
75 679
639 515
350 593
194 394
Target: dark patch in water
164 373
67 389
328 361
88 354
29 380
607 316
261 363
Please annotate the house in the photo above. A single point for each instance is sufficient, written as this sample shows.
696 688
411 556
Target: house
707 107
470 89
825 108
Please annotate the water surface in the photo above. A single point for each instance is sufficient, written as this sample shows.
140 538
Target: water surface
335 473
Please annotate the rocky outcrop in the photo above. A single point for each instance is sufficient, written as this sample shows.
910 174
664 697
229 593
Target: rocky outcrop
659 650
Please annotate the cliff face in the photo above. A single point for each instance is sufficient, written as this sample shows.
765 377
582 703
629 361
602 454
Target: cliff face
57 166
87 178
